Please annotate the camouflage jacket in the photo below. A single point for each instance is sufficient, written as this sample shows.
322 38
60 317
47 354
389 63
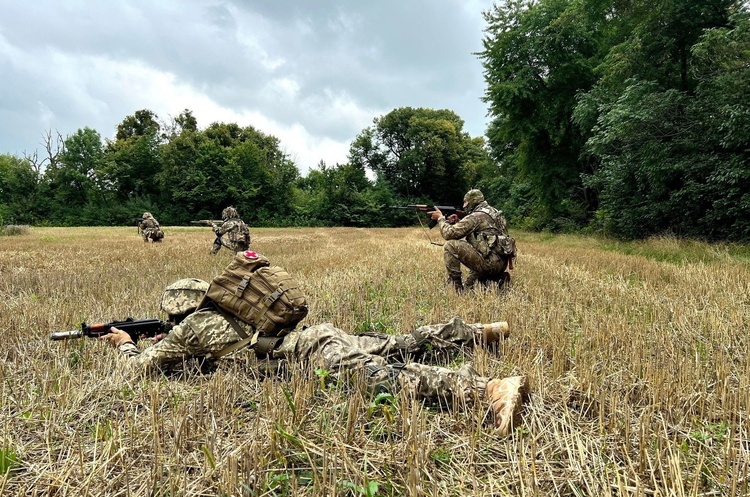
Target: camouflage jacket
236 229
200 334
149 224
484 228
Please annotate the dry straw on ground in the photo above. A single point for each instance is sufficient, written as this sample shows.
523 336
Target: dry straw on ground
639 370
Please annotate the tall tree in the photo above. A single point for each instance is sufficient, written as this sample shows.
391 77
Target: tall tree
657 130
421 153
537 57
133 159
70 183
225 164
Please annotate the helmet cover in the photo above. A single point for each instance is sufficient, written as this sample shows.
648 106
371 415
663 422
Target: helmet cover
473 198
229 213
183 296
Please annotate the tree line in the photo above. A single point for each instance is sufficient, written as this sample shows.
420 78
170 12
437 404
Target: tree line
625 117
180 172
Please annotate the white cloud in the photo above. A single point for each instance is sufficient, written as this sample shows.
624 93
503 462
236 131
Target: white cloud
312 74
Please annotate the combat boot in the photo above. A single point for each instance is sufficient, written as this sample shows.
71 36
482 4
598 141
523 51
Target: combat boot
506 399
491 333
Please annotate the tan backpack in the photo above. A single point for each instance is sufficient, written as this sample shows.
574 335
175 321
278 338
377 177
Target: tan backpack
264 296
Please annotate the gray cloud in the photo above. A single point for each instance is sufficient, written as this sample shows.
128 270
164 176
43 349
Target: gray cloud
314 74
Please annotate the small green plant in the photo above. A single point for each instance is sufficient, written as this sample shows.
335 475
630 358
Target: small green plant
101 431
75 359
441 455
322 375
8 460
716 432
280 483
369 490
210 459
384 403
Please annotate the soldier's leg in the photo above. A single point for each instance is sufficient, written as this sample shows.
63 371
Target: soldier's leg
328 347
453 263
503 397
216 246
332 348
493 273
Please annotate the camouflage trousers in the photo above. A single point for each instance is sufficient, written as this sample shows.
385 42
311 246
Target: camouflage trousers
457 252
381 360
152 234
226 242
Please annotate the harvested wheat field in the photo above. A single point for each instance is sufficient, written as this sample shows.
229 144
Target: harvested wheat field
637 356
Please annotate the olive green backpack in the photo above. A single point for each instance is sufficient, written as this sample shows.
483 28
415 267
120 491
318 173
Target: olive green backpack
264 296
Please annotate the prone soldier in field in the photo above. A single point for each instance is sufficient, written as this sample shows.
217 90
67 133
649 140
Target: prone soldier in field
479 241
385 362
150 229
232 233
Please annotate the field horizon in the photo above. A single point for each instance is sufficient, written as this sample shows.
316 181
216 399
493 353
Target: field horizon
636 352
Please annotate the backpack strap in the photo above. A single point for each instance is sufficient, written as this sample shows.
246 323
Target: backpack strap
246 339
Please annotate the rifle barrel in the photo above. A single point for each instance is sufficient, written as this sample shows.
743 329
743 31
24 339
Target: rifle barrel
65 335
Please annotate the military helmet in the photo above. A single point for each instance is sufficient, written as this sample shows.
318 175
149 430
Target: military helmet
183 296
147 215
473 198
229 213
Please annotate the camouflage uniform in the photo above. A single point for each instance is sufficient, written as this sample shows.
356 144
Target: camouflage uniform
237 236
376 358
198 335
382 361
479 241
150 229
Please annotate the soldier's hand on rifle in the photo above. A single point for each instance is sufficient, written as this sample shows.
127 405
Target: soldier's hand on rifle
157 338
116 337
436 214
453 218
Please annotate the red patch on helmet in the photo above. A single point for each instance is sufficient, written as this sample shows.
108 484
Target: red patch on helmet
251 254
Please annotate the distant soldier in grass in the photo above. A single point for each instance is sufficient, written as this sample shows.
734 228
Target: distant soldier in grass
384 362
479 241
232 233
150 229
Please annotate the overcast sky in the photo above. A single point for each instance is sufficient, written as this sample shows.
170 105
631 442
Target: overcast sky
313 73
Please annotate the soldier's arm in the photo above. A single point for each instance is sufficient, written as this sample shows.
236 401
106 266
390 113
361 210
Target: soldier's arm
225 226
174 348
458 230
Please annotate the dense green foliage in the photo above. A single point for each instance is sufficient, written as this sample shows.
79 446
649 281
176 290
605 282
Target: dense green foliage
626 117
180 172
629 117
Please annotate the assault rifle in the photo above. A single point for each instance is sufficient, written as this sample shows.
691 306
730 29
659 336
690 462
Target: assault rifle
138 221
207 222
447 211
146 328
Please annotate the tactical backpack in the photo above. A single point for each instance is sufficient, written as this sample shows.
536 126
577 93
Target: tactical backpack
264 296
495 240
241 234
